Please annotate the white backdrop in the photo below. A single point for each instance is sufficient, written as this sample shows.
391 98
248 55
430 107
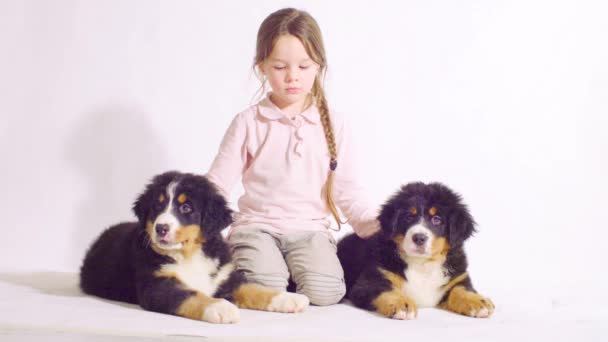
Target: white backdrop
504 101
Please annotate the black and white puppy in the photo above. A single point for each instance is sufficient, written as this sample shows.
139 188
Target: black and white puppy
174 259
416 259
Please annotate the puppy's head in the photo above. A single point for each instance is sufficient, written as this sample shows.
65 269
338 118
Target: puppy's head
426 220
180 211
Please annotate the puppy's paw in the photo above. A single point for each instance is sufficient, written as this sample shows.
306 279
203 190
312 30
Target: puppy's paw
405 309
288 302
405 315
469 304
481 307
396 305
221 311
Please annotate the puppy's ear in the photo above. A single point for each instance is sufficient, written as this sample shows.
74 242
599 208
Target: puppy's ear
461 226
397 219
216 215
141 207
389 218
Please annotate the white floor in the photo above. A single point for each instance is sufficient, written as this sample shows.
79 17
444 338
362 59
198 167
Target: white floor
47 306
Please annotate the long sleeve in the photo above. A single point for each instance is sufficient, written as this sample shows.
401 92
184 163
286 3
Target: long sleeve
349 195
231 159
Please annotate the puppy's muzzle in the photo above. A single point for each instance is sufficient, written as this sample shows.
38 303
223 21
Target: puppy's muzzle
161 229
420 239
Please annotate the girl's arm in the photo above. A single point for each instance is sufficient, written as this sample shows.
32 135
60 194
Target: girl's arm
231 158
349 195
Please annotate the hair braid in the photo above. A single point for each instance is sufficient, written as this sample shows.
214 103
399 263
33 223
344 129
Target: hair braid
328 129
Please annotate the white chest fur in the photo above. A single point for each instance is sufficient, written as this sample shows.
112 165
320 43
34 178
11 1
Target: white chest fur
199 272
425 282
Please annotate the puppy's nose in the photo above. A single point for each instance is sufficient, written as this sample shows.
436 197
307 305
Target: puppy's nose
419 239
162 229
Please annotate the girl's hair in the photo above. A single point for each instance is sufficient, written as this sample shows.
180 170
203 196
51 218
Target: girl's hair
300 24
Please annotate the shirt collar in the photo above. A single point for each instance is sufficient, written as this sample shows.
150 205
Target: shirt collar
270 111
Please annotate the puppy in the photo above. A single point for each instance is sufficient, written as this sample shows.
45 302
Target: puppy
416 259
174 259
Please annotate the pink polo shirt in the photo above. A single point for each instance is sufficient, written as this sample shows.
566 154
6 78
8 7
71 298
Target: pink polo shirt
284 164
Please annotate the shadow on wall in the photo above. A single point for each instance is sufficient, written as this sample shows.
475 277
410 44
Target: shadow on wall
116 151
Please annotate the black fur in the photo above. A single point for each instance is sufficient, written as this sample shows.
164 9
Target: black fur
121 263
362 259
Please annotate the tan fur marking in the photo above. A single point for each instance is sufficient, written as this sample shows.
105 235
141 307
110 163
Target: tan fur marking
161 198
399 239
194 306
432 211
149 228
413 211
191 238
396 280
253 296
182 198
455 281
388 303
439 247
163 273
466 302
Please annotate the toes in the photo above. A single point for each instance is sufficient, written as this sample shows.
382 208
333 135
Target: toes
483 309
221 312
288 302
481 313
400 315
408 312
404 315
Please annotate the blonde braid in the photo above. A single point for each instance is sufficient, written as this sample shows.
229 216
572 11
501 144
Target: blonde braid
328 129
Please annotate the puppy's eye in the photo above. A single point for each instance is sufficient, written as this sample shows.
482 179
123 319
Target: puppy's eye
436 220
185 208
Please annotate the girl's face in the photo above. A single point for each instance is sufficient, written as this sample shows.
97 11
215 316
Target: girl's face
290 72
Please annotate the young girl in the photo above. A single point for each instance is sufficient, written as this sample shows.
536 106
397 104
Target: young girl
294 158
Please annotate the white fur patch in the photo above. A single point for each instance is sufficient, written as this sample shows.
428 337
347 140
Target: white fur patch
411 248
288 302
195 272
481 313
167 217
221 312
425 280
403 315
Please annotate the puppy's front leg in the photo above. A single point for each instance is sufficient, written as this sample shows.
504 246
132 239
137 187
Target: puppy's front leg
208 309
380 290
468 303
395 304
258 297
168 295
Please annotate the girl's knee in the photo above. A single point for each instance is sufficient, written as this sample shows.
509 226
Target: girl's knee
322 292
277 283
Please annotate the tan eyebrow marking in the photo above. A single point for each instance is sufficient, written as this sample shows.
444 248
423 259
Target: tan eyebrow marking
413 211
182 198
432 211
161 198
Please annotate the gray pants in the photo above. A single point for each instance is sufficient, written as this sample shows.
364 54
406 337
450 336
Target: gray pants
268 258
